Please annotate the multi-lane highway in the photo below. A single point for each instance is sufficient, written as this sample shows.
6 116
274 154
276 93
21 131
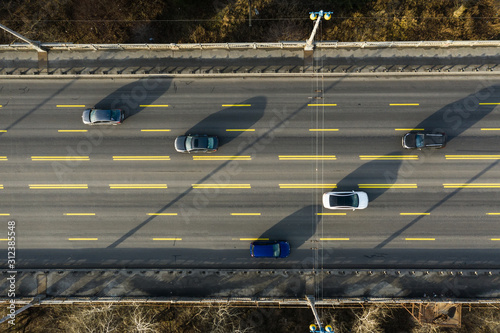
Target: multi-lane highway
120 196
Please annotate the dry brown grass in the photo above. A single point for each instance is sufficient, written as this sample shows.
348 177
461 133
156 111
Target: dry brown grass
146 318
200 21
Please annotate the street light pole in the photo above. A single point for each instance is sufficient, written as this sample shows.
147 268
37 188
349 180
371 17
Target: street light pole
18 35
249 13
316 16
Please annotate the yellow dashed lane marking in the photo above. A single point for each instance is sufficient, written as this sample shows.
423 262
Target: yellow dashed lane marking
82 239
222 158
3 158
408 129
58 186
331 214
154 106
167 239
321 104
323 130
472 157
5 214
162 214
79 214
70 106
387 185
387 157
489 103
420 239
155 130
490 129
492 213
478 185
245 214
221 185
411 214
240 130
137 186
230 105
3 131
495 239
308 185
4 239
404 104
253 239
60 158
334 239
307 157
72 131
141 158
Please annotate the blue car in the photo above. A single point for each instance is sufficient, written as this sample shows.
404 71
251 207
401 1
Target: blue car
270 249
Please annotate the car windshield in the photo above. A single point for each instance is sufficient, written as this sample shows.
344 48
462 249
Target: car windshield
115 115
276 250
344 201
211 143
419 140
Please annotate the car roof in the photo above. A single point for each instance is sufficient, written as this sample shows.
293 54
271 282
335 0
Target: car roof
264 250
101 115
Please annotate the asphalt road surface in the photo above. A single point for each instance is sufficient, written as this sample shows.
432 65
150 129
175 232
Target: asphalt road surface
120 196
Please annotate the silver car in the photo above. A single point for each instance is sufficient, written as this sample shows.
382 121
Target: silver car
196 143
102 117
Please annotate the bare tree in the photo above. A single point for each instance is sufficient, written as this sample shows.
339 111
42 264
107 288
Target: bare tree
141 319
93 319
223 319
370 319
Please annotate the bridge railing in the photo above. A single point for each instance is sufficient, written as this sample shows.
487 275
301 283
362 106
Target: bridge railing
254 45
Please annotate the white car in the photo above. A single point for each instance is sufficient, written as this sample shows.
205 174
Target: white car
345 200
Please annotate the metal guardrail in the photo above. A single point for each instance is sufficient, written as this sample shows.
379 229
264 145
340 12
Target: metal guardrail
242 46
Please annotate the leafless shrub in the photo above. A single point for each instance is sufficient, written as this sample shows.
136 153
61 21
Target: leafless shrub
427 328
370 319
223 319
94 319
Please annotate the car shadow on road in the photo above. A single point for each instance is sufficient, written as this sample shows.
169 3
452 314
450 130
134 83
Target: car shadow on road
291 228
279 120
132 98
241 118
208 121
454 119
457 117
374 177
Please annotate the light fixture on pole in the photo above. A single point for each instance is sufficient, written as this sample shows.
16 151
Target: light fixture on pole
316 16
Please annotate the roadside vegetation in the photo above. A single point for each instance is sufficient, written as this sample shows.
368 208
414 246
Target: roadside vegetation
215 21
145 318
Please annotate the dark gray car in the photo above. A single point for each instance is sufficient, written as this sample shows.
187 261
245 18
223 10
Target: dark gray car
196 143
102 117
420 140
